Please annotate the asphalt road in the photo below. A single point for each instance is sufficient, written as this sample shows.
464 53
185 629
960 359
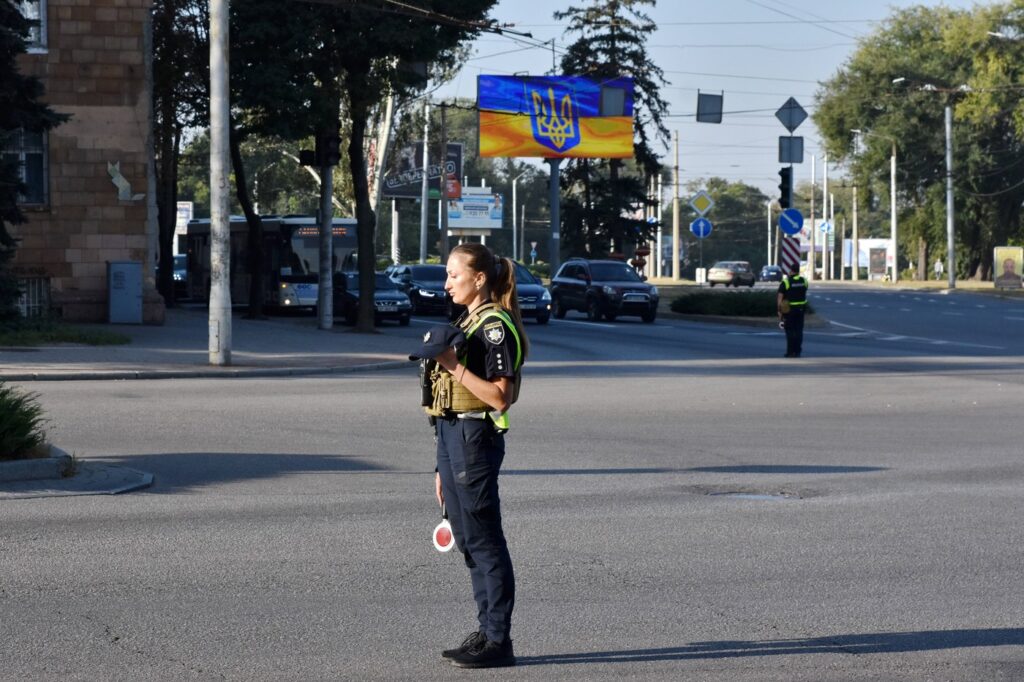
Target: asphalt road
681 503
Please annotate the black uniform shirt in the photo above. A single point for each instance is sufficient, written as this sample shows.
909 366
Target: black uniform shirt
492 350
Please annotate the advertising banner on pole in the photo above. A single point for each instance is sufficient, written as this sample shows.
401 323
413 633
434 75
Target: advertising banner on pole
477 208
1007 264
404 179
555 117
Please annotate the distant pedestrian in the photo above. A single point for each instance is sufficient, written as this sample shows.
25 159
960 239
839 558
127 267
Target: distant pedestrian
939 268
791 301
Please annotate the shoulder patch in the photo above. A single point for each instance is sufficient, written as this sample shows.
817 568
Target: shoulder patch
494 332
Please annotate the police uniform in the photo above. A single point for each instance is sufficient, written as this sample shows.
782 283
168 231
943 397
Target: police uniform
793 289
470 450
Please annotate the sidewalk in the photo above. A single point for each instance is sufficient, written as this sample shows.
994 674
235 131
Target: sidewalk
179 349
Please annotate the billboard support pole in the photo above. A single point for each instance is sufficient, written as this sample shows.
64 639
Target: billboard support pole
424 195
444 186
556 237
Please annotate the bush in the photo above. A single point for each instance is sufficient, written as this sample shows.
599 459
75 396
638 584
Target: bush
542 270
21 424
735 303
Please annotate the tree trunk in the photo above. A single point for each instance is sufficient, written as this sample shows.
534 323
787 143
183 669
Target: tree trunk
922 259
255 250
366 222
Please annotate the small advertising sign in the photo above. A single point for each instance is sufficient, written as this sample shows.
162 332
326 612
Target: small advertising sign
404 180
1007 267
477 208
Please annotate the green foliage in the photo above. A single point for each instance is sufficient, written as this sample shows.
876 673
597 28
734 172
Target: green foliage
733 303
542 270
10 290
739 226
21 423
981 77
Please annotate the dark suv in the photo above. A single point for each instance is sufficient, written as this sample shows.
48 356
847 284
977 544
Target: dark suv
602 288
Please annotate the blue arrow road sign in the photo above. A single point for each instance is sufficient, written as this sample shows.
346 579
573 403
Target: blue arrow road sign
790 221
701 227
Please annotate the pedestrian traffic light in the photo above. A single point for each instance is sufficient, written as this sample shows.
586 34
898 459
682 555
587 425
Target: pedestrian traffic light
786 187
328 145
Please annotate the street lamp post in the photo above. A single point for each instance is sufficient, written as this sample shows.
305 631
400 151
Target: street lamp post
515 229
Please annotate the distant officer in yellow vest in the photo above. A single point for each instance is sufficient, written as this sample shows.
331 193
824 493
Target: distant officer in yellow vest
472 390
791 301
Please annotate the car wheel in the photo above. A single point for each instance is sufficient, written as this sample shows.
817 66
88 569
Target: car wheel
712 284
649 316
610 316
751 285
557 309
404 320
351 316
593 310
543 319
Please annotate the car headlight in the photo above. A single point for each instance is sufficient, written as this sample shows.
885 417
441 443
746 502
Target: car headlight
546 296
426 294
654 290
178 277
611 291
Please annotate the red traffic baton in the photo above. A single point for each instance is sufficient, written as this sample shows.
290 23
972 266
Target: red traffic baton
443 538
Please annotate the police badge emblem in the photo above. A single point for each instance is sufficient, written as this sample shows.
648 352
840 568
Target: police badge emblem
494 332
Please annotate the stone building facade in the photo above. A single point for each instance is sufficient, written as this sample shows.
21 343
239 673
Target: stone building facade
96 201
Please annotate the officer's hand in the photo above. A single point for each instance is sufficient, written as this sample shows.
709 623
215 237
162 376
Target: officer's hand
437 489
447 359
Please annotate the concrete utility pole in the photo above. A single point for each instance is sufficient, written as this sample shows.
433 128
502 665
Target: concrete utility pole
675 212
824 215
856 237
892 214
814 228
325 287
425 193
950 241
661 200
394 233
443 224
220 163
556 237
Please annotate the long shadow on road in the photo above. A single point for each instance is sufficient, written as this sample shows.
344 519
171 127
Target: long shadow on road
871 643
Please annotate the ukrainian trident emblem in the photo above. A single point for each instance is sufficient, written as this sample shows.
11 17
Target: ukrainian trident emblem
556 126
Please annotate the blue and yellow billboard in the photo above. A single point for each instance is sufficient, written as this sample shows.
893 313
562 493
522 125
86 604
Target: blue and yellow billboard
555 116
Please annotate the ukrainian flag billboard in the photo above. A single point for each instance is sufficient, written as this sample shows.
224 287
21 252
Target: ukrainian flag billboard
555 116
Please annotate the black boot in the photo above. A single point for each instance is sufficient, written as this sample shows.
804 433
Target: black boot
490 654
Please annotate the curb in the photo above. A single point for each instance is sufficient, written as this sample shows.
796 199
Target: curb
57 465
212 373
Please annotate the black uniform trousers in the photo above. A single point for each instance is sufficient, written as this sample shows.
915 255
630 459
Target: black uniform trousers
794 322
469 456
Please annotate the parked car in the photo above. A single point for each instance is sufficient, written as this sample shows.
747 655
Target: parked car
771 273
534 297
424 284
389 301
731 272
602 288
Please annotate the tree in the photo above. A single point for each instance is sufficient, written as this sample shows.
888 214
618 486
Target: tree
739 225
611 43
180 102
20 110
303 61
938 56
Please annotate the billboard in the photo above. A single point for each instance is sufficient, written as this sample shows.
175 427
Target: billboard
476 208
555 116
1007 266
404 179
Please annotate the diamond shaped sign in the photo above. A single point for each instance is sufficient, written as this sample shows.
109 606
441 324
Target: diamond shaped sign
702 203
791 114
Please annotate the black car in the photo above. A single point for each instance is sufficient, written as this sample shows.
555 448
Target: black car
771 273
424 285
602 288
389 301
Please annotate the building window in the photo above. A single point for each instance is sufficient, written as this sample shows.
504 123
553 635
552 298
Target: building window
35 12
28 151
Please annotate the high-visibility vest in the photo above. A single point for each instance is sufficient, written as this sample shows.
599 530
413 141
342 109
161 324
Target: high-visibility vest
796 290
470 325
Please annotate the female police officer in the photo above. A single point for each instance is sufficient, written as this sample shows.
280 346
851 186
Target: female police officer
472 397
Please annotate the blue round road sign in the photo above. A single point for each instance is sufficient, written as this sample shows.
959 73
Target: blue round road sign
790 221
701 227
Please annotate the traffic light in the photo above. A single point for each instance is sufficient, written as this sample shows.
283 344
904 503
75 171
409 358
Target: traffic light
786 187
328 145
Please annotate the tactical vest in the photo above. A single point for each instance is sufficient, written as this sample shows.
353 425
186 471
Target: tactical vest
796 290
448 395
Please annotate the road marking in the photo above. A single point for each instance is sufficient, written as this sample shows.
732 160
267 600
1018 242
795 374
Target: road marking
883 336
904 310
891 338
588 323
954 314
1013 318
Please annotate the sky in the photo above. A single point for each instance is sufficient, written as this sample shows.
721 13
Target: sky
759 53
